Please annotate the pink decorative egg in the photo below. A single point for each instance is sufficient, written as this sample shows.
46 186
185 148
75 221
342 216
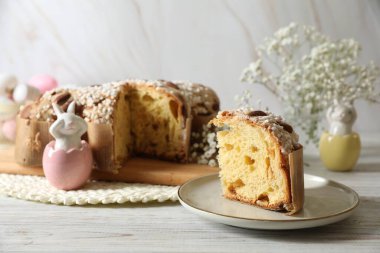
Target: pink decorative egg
43 82
9 129
67 170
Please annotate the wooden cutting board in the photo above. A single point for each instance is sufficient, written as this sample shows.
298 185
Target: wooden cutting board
136 170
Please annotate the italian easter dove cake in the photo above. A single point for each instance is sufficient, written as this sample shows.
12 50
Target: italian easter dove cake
260 160
124 119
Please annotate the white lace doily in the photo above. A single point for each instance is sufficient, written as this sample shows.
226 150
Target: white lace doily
36 188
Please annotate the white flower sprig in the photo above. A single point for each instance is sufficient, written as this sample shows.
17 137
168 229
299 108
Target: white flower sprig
307 71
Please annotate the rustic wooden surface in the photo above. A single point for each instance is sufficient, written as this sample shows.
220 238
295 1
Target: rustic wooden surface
136 170
167 227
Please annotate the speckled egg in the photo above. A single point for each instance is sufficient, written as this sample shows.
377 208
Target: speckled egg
9 129
43 82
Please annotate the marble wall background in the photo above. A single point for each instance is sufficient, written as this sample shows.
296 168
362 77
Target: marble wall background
85 42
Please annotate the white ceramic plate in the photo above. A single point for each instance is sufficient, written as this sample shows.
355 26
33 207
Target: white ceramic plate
326 202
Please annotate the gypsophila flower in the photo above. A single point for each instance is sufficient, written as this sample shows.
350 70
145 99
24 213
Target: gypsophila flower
203 149
307 71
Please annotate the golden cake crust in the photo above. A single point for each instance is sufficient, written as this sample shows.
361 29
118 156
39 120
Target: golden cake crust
203 101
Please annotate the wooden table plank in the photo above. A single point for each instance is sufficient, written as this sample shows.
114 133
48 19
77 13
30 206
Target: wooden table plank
136 170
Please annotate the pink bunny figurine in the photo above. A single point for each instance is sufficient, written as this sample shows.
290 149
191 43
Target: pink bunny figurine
67 161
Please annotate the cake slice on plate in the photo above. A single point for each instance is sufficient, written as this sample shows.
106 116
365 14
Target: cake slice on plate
260 160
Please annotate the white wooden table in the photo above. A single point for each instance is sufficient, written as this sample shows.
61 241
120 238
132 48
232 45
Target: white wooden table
28 226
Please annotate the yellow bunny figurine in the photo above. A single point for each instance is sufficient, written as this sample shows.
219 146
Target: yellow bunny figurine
340 147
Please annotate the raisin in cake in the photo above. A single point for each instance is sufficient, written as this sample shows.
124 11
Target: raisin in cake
127 118
260 160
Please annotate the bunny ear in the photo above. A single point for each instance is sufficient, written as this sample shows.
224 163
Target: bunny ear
57 109
71 108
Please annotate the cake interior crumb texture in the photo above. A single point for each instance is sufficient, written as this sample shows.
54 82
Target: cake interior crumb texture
253 167
157 125
122 129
